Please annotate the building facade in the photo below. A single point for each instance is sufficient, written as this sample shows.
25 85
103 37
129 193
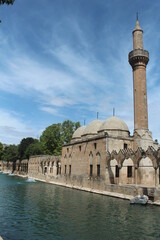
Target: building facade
104 153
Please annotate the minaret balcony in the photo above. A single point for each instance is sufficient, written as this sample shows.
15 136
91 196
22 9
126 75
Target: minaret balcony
138 56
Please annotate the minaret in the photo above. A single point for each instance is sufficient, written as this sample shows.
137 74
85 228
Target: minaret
138 59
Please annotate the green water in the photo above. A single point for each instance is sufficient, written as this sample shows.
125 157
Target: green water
39 211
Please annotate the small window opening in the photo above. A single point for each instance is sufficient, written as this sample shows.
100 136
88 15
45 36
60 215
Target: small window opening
98 170
117 171
45 170
91 170
67 150
125 145
80 148
58 169
129 171
69 169
95 145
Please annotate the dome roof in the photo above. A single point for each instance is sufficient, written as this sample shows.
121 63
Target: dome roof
92 127
114 123
79 132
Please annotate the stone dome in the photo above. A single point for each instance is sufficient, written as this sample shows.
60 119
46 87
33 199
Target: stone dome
78 133
115 126
92 128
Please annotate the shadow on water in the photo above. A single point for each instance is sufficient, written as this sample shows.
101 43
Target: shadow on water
44 211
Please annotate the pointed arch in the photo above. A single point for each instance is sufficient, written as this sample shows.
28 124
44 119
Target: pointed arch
153 155
121 157
139 154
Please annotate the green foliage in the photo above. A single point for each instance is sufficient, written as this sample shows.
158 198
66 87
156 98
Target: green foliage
68 128
1 150
56 135
35 148
51 139
6 2
10 153
24 144
51 142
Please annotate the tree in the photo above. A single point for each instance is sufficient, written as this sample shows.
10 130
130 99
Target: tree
51 139
35 148
6 2
68 128
1 150
25 142
56 135
10 153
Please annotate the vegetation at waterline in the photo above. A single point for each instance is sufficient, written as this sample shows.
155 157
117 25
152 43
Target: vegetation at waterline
50 142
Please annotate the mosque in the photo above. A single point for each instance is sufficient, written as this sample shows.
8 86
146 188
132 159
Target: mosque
103 157
104 153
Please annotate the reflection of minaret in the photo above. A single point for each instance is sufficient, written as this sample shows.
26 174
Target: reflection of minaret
138 59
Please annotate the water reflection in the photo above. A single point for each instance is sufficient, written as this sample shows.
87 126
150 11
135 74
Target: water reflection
44 211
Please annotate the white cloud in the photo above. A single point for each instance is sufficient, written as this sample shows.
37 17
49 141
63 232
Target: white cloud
51 111
13 129
76 76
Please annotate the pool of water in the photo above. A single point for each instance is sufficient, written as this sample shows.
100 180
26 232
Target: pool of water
36 211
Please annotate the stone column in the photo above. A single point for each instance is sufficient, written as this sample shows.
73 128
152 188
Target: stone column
135 176
156 180
119 182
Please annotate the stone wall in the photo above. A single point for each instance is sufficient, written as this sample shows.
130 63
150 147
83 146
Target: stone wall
124 172
7 167
23 167
88 166
44 167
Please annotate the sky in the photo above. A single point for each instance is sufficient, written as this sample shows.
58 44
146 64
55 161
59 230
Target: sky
68 59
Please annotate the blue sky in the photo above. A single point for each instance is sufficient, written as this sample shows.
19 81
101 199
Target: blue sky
68 59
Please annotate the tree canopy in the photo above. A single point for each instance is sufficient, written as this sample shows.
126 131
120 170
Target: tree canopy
24 144
35 148
51 142
68 127
10 153
56 135
51 139
1 150
6 2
